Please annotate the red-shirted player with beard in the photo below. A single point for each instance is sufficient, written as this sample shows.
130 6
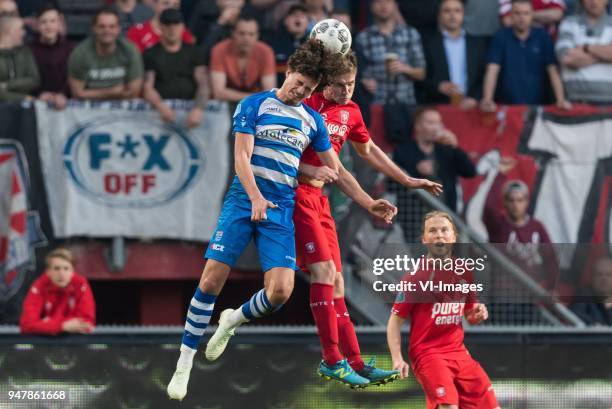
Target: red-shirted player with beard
450 377
316 239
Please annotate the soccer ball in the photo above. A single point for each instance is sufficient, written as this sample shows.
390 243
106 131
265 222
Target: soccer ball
334 34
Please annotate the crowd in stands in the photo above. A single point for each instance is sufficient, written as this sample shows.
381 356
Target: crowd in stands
474 54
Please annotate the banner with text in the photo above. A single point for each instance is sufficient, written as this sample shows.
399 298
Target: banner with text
114 169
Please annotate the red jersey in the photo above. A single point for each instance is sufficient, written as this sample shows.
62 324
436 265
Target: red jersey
436 328
145 37
47 306
342 121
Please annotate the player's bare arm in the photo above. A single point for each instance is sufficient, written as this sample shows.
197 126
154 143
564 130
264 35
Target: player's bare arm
243 150
379 160
312 174
394 340
349 186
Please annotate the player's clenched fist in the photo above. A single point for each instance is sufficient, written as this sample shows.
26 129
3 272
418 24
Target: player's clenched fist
477 314
383 209
259 207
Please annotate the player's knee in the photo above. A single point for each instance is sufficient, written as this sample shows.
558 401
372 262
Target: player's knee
323 272
213 278
338 284
281 293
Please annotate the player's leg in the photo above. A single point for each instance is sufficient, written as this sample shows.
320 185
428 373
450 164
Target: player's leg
474 387
275 242
234 230
436 377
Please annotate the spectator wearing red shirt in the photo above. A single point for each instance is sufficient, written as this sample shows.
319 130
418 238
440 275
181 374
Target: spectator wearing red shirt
242 65
146 35
546 13
59 300
441 363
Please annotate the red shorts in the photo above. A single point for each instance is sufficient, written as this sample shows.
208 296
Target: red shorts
315 230
455 382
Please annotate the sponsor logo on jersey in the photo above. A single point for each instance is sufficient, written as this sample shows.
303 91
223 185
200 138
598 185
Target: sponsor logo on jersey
288 136
218 235
440 391
336 132
447 313
310 247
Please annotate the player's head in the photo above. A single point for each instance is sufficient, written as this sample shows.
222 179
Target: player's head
341 87
427 124
601 280
438 233
516 199
59 267
310 65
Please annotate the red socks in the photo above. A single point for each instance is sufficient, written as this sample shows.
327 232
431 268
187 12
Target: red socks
321 304
346 332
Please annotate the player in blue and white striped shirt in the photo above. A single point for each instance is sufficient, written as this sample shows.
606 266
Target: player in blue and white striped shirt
272 130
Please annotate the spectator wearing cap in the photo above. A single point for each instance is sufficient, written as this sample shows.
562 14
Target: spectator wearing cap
241 65
521 57
19 75
508 222
455 60
391 56
51 50
60 300
105 66
285 40
132 12
175 70
146 35
594 304
584 49
546 13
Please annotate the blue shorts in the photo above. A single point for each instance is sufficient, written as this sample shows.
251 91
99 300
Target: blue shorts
274 237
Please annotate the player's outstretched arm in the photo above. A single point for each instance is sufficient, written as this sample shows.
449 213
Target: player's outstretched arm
243 149
349 186
394 340
379 160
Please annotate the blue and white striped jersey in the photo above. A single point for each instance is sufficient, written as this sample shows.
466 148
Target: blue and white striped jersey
282 133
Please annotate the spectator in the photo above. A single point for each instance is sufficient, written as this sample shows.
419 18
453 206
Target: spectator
18 72
584 49
344 16
132 12
481 17
285 40
146 35
272 12
8 8
455 60
105 66
392 55
546 13
521 55
433 154
229 12
242 65
174 70
221 14
51 51
60 300
521 233
594 305
318 10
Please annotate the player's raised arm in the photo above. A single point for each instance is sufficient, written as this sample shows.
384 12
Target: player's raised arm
394 340
243 150
379 160
349 185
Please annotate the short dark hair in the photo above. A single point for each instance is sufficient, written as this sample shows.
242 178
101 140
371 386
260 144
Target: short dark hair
246 15
444 1
422 110
513 2
313 60
47 7
104 10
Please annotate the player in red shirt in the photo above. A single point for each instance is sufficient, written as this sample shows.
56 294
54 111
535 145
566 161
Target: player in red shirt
146 35
316 239
450 377
59 300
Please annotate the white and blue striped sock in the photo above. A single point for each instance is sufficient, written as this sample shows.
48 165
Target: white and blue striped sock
198 317
258 306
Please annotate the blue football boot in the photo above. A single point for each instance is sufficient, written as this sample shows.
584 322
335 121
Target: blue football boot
342 372
377 376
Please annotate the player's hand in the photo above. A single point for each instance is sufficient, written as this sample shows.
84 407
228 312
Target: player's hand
434 188
325 174
477 314
259 207
403 368
77 326
195 117
383 209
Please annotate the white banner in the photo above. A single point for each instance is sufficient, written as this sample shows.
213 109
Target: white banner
114 169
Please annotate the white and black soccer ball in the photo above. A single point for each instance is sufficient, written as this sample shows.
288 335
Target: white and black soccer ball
334 34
